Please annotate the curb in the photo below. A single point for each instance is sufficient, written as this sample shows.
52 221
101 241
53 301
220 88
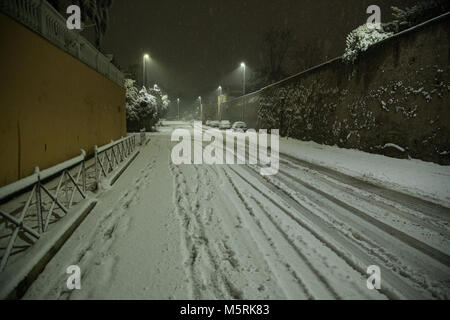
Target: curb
124 167
15 282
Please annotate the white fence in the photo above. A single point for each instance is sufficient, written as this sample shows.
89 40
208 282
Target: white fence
108 157
67 185
48 195
42 18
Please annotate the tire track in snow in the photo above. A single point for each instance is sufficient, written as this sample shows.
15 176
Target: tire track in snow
367 240
372 244
414 203
397 282
428 276
250 266
203 182
411 221
316 273
394 288
373 195
274 265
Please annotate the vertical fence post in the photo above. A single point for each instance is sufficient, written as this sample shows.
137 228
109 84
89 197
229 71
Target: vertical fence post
83 169
84 175
39 202
66 187
120 146
96 166
130 144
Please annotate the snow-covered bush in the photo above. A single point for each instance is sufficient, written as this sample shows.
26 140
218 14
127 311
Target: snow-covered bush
360 39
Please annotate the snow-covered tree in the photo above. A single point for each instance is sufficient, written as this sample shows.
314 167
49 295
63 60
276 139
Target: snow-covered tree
166 101
146 105
165 106
131 93
363 37
360 39
162 101
156 92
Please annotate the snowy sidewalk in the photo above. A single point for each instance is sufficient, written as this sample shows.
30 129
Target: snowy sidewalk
127 247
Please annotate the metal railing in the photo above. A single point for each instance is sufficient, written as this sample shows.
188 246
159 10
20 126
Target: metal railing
67 182
108 157
42 18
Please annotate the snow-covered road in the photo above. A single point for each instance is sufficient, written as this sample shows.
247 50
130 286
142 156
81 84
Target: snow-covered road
226 232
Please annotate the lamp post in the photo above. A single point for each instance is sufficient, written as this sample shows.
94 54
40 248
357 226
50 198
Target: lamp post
201 109
178 102
244 67
243 91
219 102
144 75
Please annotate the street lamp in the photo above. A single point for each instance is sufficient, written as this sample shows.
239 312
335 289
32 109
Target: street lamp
144 75
244 67
201 108
243 91
219 103
178 102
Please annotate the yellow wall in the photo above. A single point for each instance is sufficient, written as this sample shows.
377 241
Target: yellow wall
51 104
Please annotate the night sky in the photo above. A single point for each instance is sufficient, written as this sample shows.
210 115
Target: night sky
197 45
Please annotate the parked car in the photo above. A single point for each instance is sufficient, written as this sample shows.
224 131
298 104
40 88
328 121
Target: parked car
239 126
215 124
225 124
